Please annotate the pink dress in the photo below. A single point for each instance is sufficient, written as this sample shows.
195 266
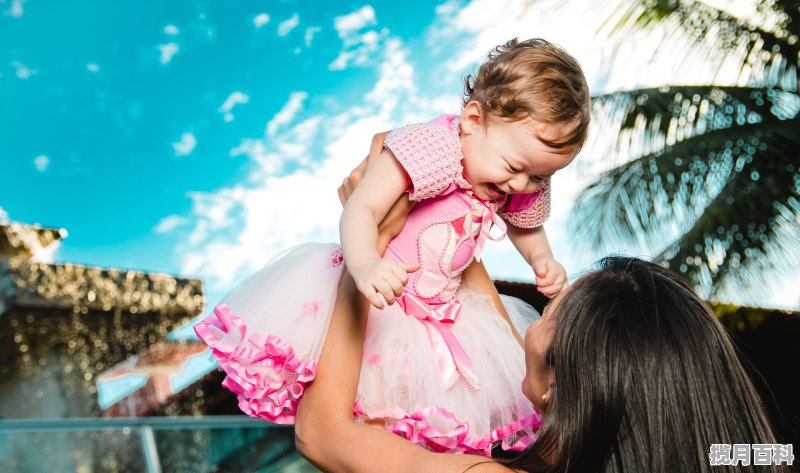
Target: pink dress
441 367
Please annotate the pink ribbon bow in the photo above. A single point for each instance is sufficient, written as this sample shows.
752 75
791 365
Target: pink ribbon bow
450 355
488 218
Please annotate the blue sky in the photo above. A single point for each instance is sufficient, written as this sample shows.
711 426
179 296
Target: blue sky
200 138
91 108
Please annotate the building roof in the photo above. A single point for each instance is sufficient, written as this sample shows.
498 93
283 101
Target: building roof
66 286
25 281
25 241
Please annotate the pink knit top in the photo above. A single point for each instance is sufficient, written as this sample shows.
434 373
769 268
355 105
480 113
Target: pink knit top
448 228
431 155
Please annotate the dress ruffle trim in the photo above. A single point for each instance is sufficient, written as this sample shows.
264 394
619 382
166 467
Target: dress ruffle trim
265 374
417 428
269 380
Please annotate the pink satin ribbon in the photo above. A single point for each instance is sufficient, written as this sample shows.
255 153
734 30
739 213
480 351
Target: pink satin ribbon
416 428
450 355
488 218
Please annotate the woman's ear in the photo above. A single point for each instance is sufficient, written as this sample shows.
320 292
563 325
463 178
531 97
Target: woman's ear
471 118
551 381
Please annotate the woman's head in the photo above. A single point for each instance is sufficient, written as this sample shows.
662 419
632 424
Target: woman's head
526 116
642 375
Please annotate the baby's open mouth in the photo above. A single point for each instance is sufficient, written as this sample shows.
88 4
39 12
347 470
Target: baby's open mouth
494 191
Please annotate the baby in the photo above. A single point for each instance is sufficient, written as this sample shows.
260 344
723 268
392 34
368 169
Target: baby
439 361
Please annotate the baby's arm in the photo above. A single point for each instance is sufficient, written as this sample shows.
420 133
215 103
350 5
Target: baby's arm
533 246
384 182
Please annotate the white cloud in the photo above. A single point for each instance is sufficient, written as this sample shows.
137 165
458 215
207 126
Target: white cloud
272 155
358 47
41 162
259 221
23 71
348 24
359 50
171 30
287 112
286 26
234 99
395 80
3 216
447 8
167 52
260 20
235 230
289 195
186 145
310 32
92 67
16 9
170 223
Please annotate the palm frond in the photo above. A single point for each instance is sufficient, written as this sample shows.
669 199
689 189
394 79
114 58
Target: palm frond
713 204
647 200
750 228
766 46
648 120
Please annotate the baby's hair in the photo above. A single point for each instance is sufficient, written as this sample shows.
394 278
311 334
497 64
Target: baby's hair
533 79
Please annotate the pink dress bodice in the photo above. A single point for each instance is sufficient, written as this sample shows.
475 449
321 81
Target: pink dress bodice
444 234
449 226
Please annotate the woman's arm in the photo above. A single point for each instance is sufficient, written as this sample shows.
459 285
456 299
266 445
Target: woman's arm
476 277
325 433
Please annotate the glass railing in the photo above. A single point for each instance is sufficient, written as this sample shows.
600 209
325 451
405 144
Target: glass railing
148 445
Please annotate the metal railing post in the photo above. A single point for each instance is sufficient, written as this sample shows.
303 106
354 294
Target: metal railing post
150 449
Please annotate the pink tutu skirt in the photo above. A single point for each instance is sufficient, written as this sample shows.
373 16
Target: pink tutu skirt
267 336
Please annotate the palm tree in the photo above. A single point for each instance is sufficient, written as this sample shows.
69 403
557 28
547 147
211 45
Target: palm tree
711 174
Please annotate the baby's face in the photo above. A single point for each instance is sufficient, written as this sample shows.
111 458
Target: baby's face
503 157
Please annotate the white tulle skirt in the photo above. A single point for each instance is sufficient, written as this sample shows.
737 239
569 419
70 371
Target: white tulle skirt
267 335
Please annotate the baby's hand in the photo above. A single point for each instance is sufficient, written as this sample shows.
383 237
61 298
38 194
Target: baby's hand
384 277
551 277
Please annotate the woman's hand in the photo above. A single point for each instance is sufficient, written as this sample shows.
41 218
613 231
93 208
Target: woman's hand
350 182
393 223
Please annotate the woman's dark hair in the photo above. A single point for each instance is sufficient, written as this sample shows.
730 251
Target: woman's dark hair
646 380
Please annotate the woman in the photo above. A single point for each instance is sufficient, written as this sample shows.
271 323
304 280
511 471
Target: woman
631 369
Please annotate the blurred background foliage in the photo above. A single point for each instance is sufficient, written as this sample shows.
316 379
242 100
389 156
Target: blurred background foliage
708 176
